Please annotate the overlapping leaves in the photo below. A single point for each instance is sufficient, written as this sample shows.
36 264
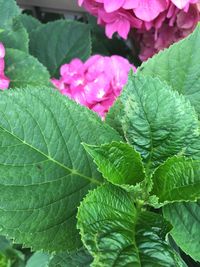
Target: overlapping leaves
160 124
152 117
117 234
118 162
45 42
179 67
43 178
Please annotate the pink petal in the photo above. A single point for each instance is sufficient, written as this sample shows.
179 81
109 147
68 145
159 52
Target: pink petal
148 10
2 51
180 3
112 5
2 65
4 82
130 4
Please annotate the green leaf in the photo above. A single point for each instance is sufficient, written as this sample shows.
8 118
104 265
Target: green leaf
4 244
24 70
9 10
179 66
193 150
54 44
15 36
4 261
45 171
29 22
113 117
80 258
155 120
118 162
39 259
177 180
186 226
117 234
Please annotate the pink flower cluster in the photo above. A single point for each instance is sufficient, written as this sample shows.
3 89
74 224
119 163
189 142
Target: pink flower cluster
4 81
162 22
173 29
96 83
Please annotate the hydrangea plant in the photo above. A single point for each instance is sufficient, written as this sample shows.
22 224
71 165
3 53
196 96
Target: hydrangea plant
82 191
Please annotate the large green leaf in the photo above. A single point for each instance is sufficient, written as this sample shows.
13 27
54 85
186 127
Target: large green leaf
15 36
44 170
193 150
80 258
24 70
180 67
118 162
157 121
117 234
56 43
178 179
9 10
29 22
185 218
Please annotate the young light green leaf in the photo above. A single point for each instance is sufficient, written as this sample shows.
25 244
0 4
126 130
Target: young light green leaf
80 258
117 234
119 163
157 121
15 36
54 44
179 68
9 10
45 171
25 70
186 226
178 179
4 261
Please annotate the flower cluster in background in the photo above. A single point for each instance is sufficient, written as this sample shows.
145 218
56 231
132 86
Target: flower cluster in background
96 83
156 23
4 81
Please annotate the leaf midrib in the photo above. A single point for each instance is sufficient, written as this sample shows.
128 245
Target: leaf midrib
73 171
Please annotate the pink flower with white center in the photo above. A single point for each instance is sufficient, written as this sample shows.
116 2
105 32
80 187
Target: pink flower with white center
96 83
148 18
4 81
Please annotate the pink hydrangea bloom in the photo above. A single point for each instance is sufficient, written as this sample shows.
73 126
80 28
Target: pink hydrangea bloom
96 83
151 20
4 81
180 25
